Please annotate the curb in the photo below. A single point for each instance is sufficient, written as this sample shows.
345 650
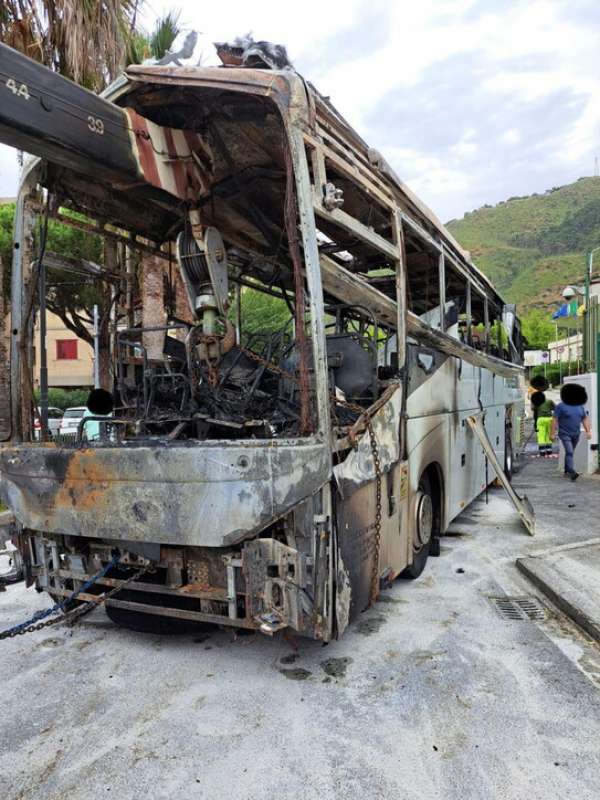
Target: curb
561 593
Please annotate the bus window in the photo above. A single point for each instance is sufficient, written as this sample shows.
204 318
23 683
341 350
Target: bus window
478 337
423 287
457 289
498 340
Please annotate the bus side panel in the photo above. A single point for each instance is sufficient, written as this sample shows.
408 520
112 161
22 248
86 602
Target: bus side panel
355 516
428 440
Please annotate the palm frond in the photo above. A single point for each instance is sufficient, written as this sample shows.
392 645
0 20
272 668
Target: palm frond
165 32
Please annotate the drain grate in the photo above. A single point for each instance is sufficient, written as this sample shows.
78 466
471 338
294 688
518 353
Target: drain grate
519 608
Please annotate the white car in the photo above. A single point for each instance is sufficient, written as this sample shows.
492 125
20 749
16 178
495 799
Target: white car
54 417
71 419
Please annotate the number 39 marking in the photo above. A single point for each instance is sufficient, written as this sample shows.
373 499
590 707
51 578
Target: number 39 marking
19 89
96 125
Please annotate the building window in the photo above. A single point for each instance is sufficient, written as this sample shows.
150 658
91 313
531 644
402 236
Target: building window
66 349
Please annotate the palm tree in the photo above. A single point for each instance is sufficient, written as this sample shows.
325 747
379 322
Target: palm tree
142 45
85 40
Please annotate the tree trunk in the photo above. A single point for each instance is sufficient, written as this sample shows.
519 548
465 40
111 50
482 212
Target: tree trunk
182 303
153 306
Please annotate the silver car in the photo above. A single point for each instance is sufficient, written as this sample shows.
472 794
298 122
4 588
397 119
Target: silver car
71 419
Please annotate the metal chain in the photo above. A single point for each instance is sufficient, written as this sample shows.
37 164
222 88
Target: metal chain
71 617
378 513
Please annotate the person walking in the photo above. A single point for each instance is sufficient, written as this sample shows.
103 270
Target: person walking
568 418
543 409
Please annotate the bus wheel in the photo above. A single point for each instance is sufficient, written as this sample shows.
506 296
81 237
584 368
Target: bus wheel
508 455
423 525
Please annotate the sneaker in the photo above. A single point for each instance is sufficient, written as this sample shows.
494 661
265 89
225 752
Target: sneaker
574 476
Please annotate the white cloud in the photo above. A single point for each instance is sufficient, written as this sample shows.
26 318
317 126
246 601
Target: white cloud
518 53
9 172
511 136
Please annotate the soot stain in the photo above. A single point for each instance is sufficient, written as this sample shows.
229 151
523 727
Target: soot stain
336 667
291 658
296 674
370 625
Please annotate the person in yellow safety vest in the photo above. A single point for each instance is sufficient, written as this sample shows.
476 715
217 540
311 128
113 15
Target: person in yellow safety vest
543 410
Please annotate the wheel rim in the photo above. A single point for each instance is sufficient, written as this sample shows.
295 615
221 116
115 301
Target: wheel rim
424 519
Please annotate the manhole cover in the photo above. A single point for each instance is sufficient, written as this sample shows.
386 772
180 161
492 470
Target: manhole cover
519 608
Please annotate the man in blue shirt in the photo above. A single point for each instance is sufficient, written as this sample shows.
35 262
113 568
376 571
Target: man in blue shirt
567 420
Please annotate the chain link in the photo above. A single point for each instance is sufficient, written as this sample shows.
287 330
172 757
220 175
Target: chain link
72 616
378 513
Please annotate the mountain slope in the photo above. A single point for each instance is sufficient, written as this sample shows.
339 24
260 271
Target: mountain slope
531 247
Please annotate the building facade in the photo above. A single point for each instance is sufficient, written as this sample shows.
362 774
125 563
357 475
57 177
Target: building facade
70 359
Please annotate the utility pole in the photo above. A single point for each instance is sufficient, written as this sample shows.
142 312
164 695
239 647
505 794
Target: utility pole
43 354
588 281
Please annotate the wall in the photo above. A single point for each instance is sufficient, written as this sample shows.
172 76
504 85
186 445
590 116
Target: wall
63 373
572 349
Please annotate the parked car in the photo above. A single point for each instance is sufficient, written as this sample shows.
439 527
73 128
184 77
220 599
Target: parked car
71 419
54 417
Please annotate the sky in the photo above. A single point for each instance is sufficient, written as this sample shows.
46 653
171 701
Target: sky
471 101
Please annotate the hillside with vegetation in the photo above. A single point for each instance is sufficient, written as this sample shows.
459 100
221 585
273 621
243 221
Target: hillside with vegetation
532 247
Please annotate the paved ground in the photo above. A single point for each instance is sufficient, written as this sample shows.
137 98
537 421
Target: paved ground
431 695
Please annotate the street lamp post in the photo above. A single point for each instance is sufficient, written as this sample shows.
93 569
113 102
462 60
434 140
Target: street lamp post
587 333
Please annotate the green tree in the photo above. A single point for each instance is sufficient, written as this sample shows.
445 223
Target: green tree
262 314
538 329
85 40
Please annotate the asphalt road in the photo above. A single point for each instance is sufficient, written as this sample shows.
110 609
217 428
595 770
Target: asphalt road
432 694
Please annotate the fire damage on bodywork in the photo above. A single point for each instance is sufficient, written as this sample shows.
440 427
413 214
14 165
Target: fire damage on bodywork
220 451
207 454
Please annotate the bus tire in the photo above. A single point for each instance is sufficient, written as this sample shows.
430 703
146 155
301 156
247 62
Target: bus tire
425 514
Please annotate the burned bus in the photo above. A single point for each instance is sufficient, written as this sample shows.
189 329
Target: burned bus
258 476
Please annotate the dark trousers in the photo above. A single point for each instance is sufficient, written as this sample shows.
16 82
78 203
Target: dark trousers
569 443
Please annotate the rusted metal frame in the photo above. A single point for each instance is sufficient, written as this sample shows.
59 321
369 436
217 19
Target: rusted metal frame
17 315
22 291
401 298
469 312
327 514
420 231
340 217
442 289
353 226
276 85
333 126
318 165
161 611
352 289
467 272
291 226
313 275
231 596
219 595
350 170
98 229
341 134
